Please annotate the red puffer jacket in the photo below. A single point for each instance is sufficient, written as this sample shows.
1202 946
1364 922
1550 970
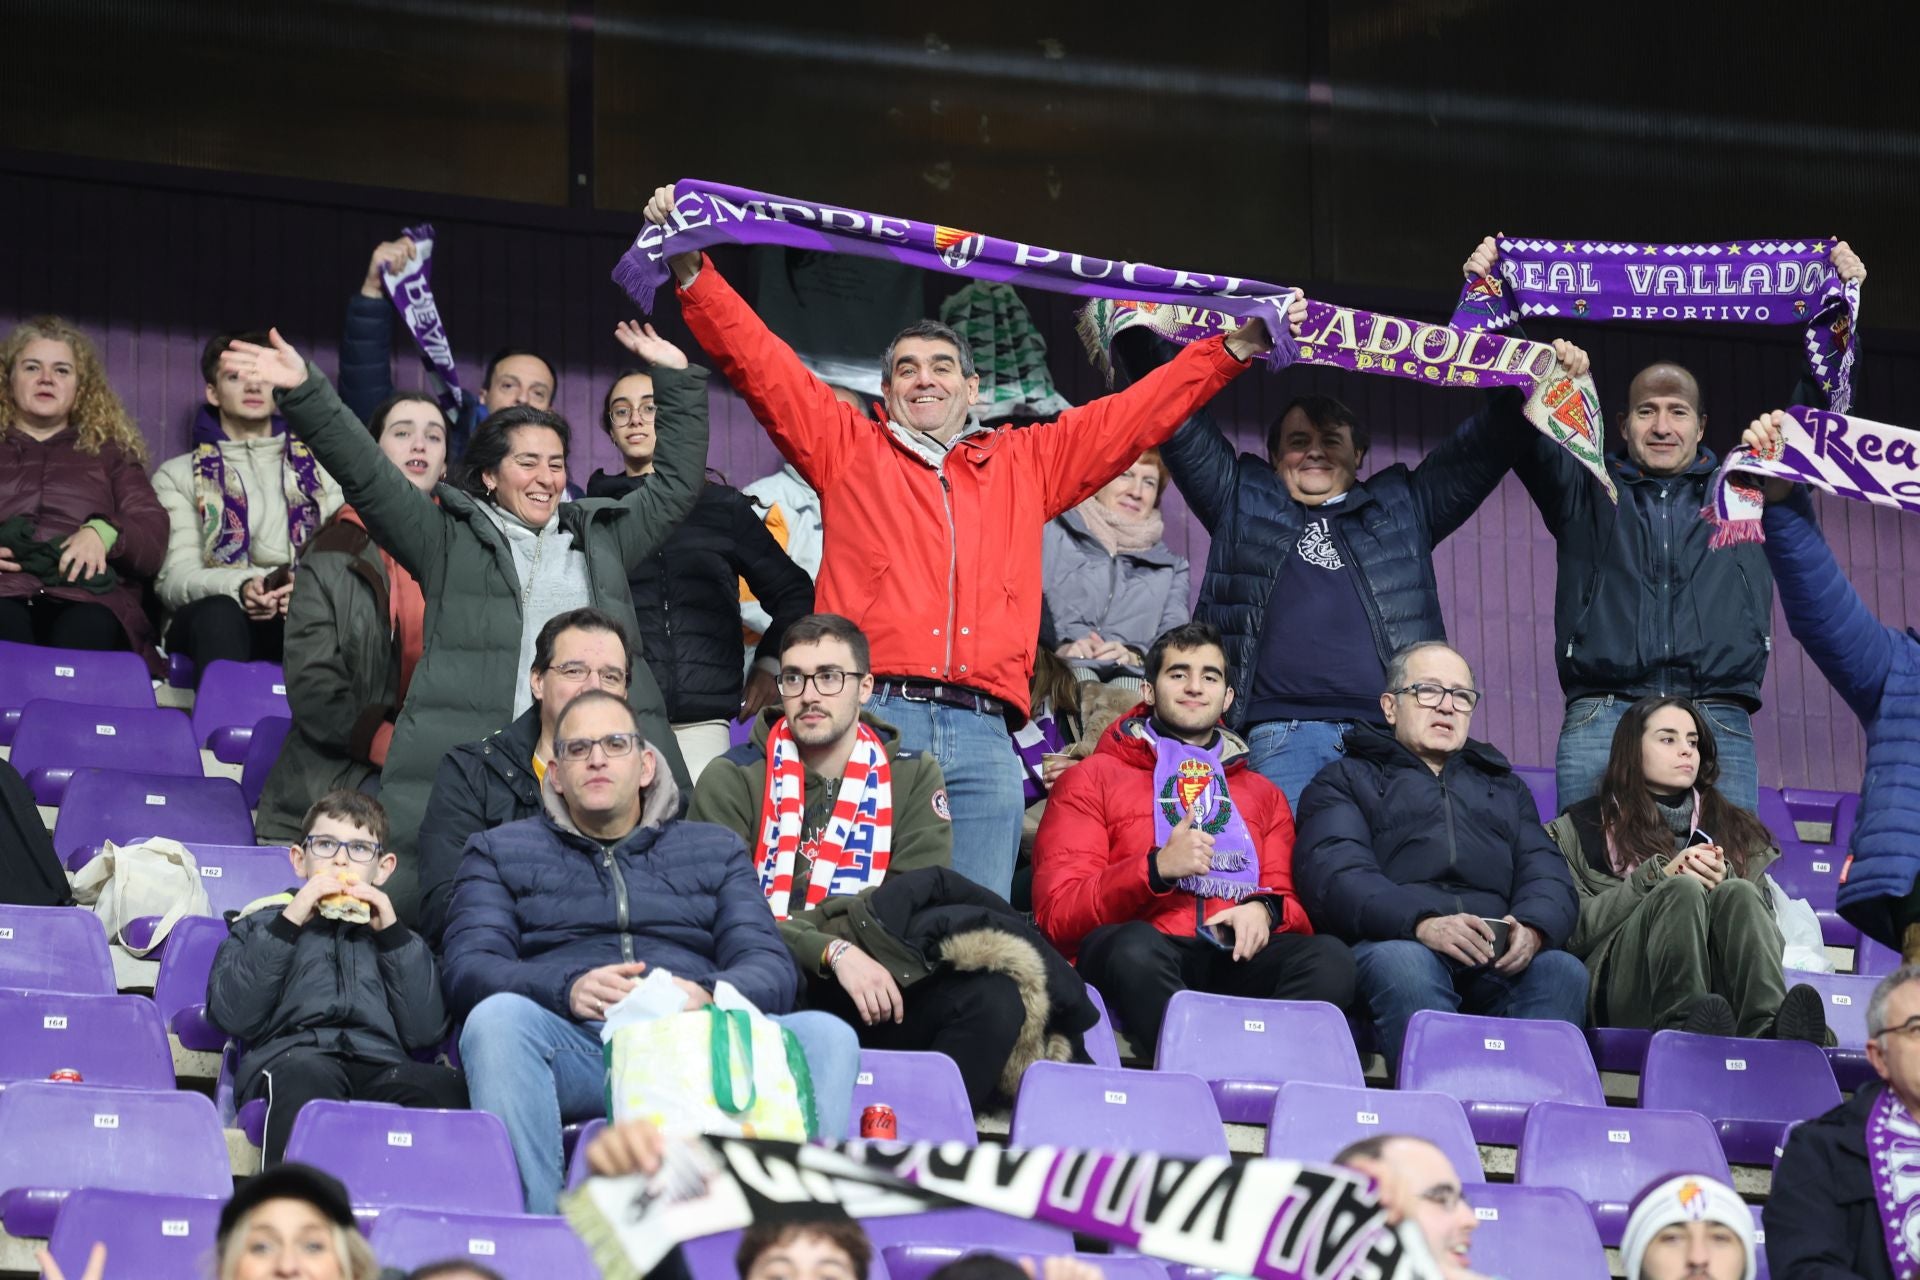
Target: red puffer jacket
62 488
940 566
1090 855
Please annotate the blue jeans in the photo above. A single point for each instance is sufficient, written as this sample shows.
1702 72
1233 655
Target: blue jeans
538 1071
1586 739
984 788
1398 979
1288 753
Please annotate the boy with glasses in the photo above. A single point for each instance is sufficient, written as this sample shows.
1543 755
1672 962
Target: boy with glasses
1421 848
330 1000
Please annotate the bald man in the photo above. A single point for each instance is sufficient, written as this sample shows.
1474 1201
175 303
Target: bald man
1417 1181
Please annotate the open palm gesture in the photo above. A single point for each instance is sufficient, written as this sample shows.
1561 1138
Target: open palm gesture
643 341
279 365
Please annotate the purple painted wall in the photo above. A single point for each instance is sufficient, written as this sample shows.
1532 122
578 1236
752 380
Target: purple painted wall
153 261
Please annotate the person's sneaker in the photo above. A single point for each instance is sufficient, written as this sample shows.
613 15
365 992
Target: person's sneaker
1802 1016
1711 1015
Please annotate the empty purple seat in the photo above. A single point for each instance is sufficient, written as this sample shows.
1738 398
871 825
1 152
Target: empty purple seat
238 875
232 698
105 679
391 1155
1244 1049
126 807
1066 1105
180 990
1778 818
1313 1121
1846 995
1498 1067
54 739
1752 1090
1606 1155
54 949
928 1098
1871 957
263 749
1545 788
145 1234
1809 805
1619 1048
1812 872
57 1138
1522 1226
916 1245
916 1262
109 1040
511 1244
1102 1045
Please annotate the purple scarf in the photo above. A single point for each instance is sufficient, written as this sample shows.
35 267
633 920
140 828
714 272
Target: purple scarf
1893 1159
225 536
1851 457
1186 777
411 289
1740 282
1032 741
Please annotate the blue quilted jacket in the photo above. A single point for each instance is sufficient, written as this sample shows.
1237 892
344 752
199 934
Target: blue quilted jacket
1876 668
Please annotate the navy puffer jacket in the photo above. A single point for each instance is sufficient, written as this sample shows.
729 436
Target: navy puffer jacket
538 904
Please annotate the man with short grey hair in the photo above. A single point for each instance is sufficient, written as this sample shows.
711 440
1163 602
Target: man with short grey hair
1830 1213
1421 848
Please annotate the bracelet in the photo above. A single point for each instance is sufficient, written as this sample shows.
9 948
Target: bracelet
835 951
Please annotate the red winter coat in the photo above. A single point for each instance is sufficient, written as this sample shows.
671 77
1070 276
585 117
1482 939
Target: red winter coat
941 567
1090 855
62 488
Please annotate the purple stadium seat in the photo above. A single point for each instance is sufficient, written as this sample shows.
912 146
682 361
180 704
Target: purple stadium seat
1778 818
1808 805
1313 1121
1812 872
1760 1269
1751 1089
145 1234
1498 1067
1521 1226
1102 1046
1545 788
1846 995
57 1138
1619 1048
54 739
238 875
577 1153
512 1244
1871 957
263 749
1606 1155
28 672
916 1262
126 807
232 698
180 990
1244 1049
1065 1105
54 949
110 1040
391 1155
916 1245
928 1098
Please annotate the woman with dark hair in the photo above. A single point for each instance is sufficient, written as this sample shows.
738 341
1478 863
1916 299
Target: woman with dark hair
499 553
1676 918
356 625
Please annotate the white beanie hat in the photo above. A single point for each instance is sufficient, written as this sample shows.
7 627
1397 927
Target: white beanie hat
1691 1197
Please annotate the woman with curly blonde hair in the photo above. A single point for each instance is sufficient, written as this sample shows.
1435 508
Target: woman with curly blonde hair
81 531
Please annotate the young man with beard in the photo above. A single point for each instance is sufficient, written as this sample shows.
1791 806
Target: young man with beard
1165 863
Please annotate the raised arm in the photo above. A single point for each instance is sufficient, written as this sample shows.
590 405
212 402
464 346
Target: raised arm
1198 454
366 340
654 509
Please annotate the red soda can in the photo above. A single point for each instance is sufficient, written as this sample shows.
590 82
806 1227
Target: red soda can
878 1121
66 1075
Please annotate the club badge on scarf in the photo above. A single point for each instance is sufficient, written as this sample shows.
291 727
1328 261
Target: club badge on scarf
1851 457
853 852
1735 282
1190 779
411 289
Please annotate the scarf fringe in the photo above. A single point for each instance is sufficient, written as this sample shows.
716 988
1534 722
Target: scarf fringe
1732 533
1210 886
631 274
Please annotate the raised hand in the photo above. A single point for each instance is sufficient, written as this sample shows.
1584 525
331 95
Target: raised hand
1573 359
643 341
278 365
1766 436
391 255
1848 263
1480 261
659 206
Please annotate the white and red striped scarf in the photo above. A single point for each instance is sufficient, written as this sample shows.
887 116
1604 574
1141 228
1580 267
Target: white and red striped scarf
852 853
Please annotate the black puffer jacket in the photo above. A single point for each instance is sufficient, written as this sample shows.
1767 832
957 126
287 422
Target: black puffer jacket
687 597
1642 606
1383 842
1387 528
481 785
1821 1219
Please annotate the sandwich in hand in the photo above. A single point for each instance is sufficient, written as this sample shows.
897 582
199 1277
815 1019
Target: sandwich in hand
344 906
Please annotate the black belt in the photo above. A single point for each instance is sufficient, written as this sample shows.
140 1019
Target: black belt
947 695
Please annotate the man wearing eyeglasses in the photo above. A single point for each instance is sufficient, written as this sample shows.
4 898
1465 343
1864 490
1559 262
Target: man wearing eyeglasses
1422 849
852 838
1844 1197
556 918
1417 1181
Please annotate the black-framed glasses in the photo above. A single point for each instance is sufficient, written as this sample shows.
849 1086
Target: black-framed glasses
327 846
792 684
1433 695
620 415
1910 1029
609 677
614 744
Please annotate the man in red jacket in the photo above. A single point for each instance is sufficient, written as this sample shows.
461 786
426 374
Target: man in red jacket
932 523
1167 864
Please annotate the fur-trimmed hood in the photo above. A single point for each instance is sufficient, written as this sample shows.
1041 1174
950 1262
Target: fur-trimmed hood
996 951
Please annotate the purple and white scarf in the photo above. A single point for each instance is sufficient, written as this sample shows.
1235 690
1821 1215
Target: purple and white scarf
226 531
1192 779
1893 1159
1852 457
1033 742
1195 304
1738 281
411 289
